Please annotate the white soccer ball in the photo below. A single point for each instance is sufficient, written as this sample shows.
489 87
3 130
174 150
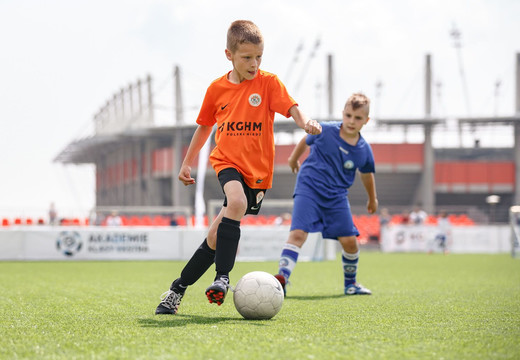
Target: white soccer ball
258 296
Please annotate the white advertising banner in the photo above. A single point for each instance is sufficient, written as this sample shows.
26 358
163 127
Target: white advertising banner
462 239
93 243
266 243
142 243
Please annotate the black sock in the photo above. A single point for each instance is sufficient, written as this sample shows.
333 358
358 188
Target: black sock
228 235
199 263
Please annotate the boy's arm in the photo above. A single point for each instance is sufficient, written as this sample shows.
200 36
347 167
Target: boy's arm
197 142
298 151
311 127
370 186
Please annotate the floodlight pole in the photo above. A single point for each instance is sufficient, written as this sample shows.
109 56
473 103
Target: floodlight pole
330 86
177 137
428 186
516 125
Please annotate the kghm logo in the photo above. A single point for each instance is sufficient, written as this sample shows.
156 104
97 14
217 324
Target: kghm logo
241 128
69 242
255 100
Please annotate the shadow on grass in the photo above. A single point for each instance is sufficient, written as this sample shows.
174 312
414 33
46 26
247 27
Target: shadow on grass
162 321
315 297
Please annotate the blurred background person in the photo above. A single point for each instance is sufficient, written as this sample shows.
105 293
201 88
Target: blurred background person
53 215
417 216
114 219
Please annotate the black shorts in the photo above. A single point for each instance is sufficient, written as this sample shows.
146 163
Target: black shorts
254 196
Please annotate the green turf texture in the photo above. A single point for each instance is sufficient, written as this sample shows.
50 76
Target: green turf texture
422 307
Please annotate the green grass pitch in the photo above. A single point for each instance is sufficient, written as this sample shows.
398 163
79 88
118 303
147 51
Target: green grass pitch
422 307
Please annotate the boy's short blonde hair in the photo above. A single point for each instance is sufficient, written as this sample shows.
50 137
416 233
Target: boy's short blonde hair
358 100
243 31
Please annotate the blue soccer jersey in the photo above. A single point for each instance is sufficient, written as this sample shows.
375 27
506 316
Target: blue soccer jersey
322 184
331 166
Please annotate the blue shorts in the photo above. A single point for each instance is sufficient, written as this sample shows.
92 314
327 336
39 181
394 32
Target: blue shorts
332 222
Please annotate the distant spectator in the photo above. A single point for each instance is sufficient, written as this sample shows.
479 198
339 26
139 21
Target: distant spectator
384 217
53 215
417 216
173 220
114 219
443 231
92 218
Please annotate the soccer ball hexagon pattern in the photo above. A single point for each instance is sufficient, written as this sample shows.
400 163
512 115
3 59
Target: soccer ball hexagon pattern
258 296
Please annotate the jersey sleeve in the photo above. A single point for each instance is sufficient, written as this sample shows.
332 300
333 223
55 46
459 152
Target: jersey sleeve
311 139
207 110
281 101
369 166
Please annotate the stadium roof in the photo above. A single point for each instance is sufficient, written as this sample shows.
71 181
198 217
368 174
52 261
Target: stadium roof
89 149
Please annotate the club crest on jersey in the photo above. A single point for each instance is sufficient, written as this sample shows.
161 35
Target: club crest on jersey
349 164
255 100
259 197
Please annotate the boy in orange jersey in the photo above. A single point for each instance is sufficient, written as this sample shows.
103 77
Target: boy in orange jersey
242 103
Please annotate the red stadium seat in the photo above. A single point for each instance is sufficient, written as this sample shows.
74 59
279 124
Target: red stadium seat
134 221
5 222
181 221
146 221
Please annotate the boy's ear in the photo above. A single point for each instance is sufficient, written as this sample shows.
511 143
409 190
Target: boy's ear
228 54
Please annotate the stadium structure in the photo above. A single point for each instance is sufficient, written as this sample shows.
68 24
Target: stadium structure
137 162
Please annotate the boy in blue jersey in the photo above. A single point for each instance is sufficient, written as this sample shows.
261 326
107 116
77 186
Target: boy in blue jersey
320 194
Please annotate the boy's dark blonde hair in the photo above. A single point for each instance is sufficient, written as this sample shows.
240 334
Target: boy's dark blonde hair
243 31
358 100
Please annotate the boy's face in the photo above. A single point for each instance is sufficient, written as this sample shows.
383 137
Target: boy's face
354 120
246 61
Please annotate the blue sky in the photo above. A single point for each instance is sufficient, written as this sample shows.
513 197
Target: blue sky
61 60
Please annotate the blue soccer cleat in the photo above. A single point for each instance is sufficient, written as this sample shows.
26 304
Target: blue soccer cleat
357 289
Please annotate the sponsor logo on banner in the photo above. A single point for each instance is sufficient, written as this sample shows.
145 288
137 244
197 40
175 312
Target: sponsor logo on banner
69 243
117 243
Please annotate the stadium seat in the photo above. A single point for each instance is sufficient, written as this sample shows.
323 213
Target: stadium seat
146 221
28 221
5 222
18 221
181 221
159 220
134 221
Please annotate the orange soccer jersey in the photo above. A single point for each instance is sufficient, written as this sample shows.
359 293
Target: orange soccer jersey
244 114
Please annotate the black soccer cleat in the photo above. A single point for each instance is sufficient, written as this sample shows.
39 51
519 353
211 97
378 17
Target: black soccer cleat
170 301
216 292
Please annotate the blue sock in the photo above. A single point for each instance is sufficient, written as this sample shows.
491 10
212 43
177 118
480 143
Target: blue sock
350 264
288 260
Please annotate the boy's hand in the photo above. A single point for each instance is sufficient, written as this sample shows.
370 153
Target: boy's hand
312 127
372 206
295 165
185 175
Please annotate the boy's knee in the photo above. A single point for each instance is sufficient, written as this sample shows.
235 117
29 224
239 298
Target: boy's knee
236 206
349 244
297 237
